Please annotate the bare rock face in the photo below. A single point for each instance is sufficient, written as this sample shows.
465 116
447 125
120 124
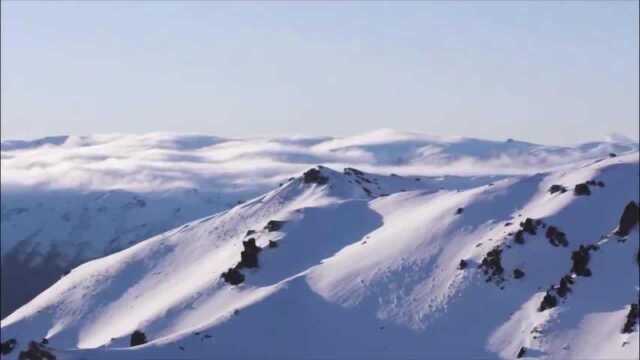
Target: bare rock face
629 219
138 338
8 346
36 352
233 276
632 319
522 352
314 176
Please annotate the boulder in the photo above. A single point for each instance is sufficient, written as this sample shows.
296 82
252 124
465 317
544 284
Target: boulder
137 338
459 211
250 232
521 352
273 244
629 219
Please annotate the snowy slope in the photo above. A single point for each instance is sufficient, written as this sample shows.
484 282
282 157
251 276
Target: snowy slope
365 274
68 199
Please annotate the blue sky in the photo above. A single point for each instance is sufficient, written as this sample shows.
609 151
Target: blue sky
549 72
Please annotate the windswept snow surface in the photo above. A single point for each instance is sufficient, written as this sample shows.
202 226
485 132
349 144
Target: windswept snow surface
366 267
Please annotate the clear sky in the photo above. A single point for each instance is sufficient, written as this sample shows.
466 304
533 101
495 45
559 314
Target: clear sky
549 72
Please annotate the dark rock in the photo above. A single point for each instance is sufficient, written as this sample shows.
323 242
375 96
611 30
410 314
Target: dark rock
591 182
565 286
529 226
138 338
519 237
557 188
7 346
582 190
632 318
36 352
507 224
556 237
314 176
629 219
580 260
274 225
600 183
462 265
518 274
523 350
612 155
250 232
548 302
44 341
459 211
273 244
233 276
249 256
492 263
353 171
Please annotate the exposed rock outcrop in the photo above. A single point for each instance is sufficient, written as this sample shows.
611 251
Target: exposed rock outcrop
274 225
36 351
630 218
549 301
314 176
233 276
137 338
582 190
632 319
556 237
492 264
7 346
557 188
249 256
580 260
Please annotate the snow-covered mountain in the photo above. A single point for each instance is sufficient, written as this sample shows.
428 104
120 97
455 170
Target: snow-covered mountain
67 199
356 265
